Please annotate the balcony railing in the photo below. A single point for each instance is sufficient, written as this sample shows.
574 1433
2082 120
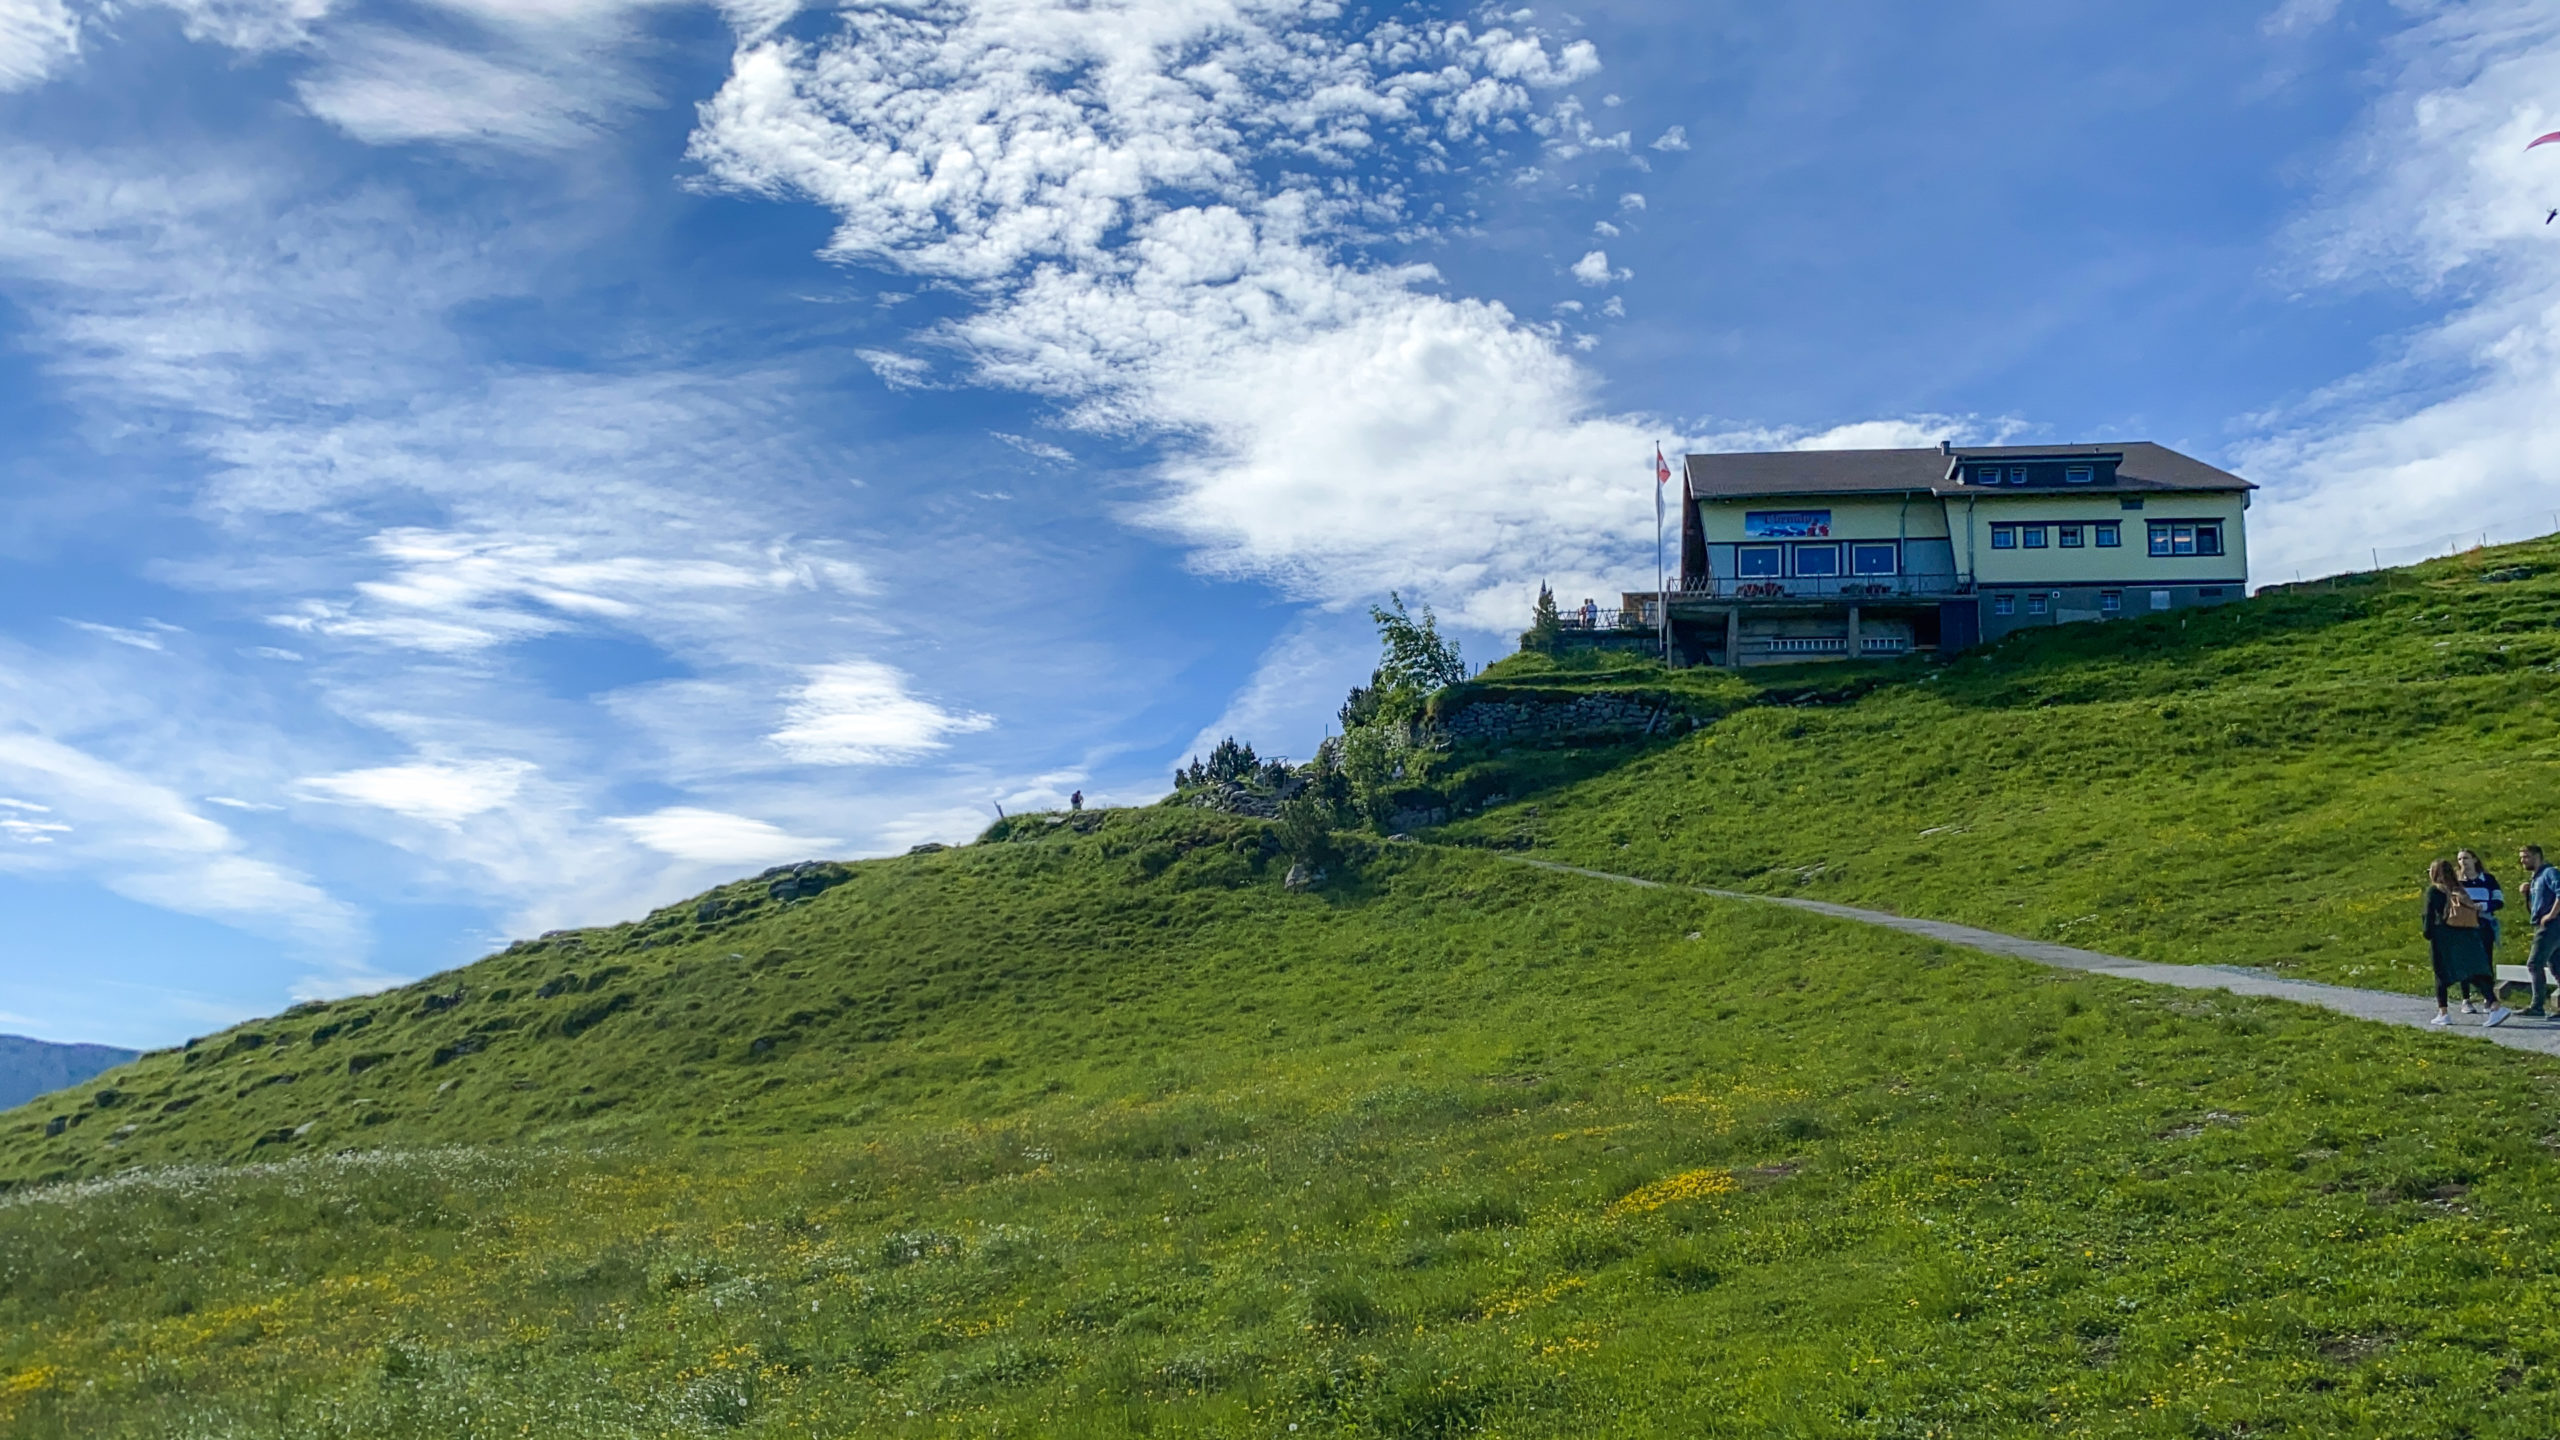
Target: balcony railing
1823 587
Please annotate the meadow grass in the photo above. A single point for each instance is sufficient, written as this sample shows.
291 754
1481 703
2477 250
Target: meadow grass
2259 784
1102 1142
1093 1128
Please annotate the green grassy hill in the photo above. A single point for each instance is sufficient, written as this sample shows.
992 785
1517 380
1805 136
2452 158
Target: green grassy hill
1093 1128
2260 784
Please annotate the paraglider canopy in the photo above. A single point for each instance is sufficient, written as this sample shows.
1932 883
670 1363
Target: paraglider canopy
2544 139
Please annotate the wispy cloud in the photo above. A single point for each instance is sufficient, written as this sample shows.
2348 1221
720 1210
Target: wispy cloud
144 841
36 36
2453 434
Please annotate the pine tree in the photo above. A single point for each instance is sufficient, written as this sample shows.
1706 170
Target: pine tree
1545 634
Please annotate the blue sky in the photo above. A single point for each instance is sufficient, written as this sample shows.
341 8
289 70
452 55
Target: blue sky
477 466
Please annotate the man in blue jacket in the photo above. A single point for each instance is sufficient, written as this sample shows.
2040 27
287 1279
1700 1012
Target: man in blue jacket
2542 903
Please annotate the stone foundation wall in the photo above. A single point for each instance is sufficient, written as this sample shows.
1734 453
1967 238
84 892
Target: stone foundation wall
1596 717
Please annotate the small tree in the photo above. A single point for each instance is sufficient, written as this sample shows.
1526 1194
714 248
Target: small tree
1306 828
1545 635
1419 659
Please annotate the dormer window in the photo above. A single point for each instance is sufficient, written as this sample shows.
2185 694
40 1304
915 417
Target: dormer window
2017 474
1987 475
2078 474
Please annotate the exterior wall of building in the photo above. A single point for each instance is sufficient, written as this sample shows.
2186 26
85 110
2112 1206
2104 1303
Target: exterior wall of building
1973 518
1915 524
2006 610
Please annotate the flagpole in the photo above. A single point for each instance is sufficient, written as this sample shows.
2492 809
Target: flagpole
1661 595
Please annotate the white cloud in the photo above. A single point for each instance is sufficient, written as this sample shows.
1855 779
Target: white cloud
141 840
2453 435
1037 449
859 712
1675 138
898 372
1631 201
250 24
1593 268
384 87
457 593
228 802
1339 429
138 639
440 793
712 837
36 36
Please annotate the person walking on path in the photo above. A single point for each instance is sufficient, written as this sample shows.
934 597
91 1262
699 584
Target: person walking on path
2542 909
2484 891
2452 924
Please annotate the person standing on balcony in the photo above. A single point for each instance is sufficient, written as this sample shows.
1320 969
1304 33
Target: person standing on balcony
1590 614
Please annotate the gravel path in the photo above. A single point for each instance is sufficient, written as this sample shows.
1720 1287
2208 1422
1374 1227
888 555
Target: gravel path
2381 1006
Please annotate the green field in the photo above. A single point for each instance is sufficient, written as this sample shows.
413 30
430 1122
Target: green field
2259 784
1093 1128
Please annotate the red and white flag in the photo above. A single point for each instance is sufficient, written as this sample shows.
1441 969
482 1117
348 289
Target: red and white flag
1661 477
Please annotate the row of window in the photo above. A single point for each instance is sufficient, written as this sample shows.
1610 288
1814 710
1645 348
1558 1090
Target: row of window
2108 534
2017 474
2110 602
2167 537
1765 562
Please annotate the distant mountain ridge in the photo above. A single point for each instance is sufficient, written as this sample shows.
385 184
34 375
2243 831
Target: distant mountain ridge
29 1068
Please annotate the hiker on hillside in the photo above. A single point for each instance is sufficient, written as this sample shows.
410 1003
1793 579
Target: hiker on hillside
2452 925
2542 909
2485 892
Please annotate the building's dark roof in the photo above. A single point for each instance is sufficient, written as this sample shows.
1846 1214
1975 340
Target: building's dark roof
1849 472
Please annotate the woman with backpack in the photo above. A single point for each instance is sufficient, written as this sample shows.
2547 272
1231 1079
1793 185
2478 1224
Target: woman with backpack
2484 891
2453 941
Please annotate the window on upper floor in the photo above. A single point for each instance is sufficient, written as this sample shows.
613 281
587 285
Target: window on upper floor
2077 474
2004 537
1986 475
2110 534
2070 537
1873 558
2186 537
2004 604
1760 562
2017 474
1817 560
2128 504
2031 536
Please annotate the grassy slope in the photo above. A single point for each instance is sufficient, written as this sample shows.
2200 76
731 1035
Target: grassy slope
2261 784
1104 1133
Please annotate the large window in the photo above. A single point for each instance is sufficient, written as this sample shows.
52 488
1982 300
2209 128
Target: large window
1872 558
2004 537
2070 536
1760 562
1817 560
2110 534
2186 537
2031 536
